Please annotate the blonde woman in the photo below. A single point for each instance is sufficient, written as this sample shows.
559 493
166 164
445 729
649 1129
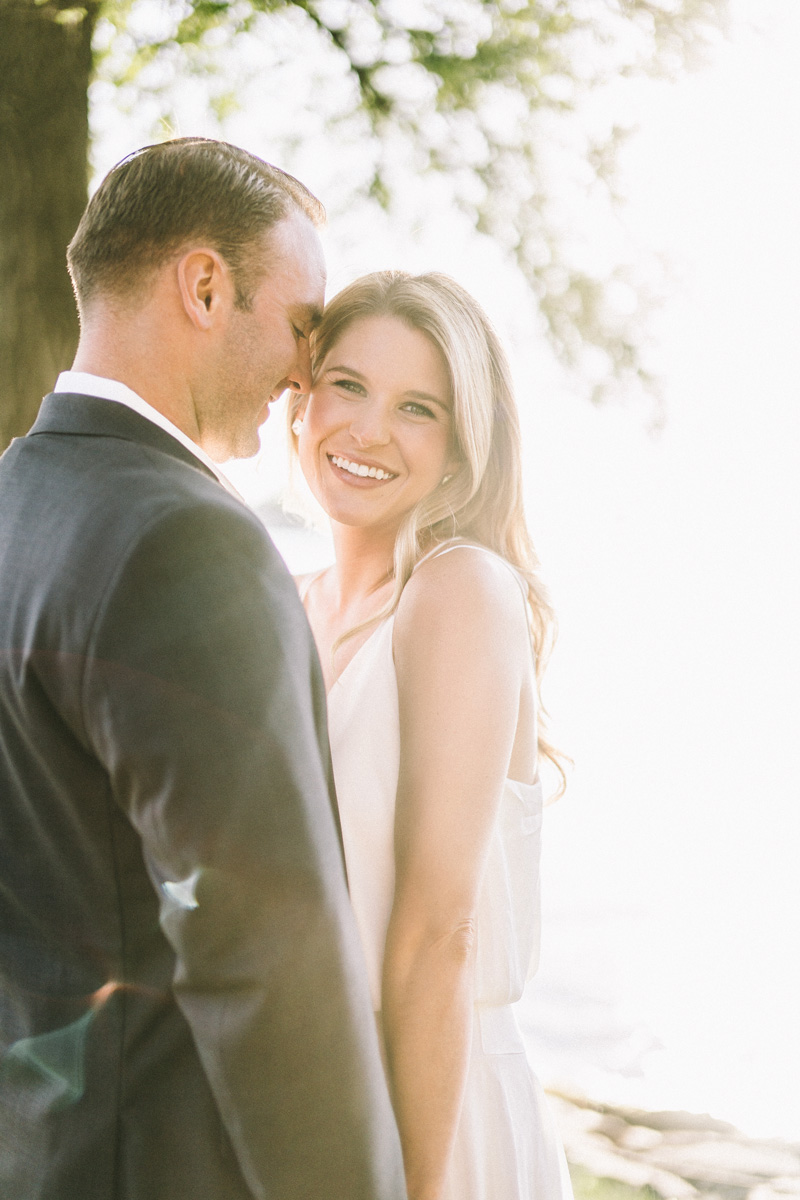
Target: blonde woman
430 626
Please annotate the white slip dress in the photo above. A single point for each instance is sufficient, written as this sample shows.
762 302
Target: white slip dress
506 1147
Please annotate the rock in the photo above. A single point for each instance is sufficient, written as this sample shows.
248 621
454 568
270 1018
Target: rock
574 1118
639 1137
612 1126
678 1155
724 1162
664 1121
778 1189
595 1153
697 1122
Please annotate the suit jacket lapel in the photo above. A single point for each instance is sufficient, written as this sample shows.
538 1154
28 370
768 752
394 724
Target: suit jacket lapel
91 416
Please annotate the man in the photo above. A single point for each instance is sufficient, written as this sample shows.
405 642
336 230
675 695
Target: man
183 1012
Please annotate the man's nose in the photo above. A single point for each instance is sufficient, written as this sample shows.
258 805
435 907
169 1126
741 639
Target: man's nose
299 378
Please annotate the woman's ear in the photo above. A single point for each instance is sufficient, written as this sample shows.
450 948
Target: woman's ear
454 465
299 414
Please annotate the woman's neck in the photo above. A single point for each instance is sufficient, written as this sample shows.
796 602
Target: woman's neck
363 566
349 593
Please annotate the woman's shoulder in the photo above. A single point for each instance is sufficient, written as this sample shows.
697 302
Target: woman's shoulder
465 583
459 562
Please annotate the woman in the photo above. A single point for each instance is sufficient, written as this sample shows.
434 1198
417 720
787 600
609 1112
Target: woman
428 625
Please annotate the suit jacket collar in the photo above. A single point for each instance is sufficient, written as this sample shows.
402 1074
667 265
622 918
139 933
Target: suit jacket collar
90 416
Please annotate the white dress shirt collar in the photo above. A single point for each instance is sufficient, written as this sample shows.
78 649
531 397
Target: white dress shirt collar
84 384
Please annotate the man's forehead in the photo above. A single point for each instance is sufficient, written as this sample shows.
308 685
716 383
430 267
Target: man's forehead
293 256
294 237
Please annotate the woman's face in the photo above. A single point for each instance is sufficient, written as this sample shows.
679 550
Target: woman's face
378 427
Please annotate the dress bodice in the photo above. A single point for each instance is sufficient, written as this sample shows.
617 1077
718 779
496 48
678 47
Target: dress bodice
364 732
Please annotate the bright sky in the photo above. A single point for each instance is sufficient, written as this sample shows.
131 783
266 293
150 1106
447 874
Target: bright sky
675 563
671 879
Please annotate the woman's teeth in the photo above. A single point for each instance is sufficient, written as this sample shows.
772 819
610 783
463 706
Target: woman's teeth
360 468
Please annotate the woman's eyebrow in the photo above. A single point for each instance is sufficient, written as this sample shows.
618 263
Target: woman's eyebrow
349 370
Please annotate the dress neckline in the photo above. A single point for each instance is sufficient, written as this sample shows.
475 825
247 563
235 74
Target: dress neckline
367 642
303 591
433 552
441 547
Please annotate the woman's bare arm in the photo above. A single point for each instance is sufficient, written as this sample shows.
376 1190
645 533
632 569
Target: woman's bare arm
458 635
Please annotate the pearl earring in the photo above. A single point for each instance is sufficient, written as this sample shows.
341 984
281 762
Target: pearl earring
297 426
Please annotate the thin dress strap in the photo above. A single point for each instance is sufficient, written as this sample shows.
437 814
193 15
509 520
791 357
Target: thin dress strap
446 547
305 584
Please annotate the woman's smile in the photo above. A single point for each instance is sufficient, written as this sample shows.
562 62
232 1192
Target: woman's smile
359 469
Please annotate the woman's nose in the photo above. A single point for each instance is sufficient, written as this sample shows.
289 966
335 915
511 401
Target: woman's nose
370 425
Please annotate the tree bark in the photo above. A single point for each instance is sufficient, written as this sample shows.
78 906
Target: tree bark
45 67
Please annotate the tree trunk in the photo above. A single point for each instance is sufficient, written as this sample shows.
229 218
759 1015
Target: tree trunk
45 65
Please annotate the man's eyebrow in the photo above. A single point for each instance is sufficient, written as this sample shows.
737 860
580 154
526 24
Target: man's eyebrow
309 314
412 394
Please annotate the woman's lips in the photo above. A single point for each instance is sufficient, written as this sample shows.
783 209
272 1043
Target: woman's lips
360 470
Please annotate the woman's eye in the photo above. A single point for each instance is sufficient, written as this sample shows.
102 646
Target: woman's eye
298 333
349 385
418 410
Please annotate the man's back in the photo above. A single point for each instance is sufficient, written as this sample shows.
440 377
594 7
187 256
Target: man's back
183 1012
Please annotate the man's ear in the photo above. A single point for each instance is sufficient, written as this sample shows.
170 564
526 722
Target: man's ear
205 286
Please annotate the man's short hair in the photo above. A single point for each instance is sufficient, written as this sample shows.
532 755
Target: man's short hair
164 197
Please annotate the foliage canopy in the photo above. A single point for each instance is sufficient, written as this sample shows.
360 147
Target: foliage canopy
488 92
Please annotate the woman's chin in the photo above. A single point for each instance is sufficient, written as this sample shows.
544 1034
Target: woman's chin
373 527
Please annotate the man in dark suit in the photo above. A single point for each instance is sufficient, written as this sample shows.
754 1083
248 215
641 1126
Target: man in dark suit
183 1012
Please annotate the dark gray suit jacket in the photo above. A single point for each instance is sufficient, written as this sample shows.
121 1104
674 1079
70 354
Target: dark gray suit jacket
183 1012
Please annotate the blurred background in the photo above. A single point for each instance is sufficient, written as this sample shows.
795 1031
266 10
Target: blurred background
626 208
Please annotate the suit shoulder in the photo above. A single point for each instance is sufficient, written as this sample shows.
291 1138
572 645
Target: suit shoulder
140 492
205 526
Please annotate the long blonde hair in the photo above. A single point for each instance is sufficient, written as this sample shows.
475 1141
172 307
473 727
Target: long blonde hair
482 501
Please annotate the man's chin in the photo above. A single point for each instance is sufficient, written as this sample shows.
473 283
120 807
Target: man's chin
245 446
242 444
